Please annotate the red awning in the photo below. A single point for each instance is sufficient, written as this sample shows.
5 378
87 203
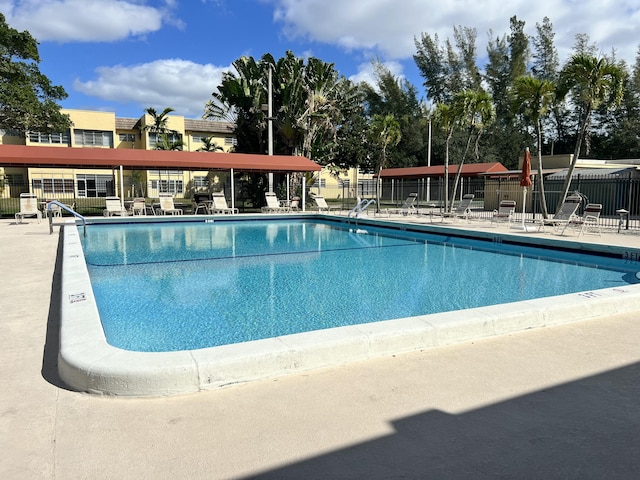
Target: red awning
468 170
36 156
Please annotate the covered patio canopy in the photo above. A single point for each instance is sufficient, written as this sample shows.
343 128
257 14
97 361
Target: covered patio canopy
87 157
36 156
468 170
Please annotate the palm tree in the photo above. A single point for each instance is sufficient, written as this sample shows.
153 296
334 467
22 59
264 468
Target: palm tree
159 126
533 98
447 119
167 141
593 83
475 110
209 145
385 132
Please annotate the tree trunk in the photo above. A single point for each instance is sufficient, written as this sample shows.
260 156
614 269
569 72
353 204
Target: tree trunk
543 198
576 155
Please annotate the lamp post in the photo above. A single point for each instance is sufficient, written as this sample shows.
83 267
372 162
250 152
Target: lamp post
270 125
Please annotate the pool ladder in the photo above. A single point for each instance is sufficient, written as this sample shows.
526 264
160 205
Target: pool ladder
68 209
360 207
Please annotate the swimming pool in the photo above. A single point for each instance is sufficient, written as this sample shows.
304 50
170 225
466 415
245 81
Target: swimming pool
243 274
185 286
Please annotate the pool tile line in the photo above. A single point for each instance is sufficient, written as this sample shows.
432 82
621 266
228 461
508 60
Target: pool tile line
87 363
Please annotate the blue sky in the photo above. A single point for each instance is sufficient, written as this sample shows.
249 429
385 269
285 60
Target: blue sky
126 55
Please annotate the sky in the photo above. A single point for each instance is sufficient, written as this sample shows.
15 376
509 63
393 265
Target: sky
123 56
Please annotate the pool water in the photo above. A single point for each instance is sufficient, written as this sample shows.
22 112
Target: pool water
185 286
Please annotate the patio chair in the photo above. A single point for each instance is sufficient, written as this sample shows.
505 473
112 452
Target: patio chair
295 204
408 207
113 206
273 204
166 205
138 207
590 219
463 210
28 207
505 212
219 204
565 215
54 208
321 203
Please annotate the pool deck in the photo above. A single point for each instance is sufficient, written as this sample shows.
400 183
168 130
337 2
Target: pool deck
553 402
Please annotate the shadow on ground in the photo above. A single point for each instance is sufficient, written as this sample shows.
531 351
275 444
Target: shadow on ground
52 342
587 429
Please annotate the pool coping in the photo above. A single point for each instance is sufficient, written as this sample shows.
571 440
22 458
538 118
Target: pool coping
86 362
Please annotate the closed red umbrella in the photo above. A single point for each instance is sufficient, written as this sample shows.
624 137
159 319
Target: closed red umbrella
525 181
525 177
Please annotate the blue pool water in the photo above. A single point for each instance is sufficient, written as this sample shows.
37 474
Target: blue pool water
184 286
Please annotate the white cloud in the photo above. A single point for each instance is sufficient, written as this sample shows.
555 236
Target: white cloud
366 73
180 84
84 20
388 27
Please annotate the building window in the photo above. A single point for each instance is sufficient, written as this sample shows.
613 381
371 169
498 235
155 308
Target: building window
53 186
154 138
49 138
127 137
94 186
168 186
93 138
200 181
231 141
14 179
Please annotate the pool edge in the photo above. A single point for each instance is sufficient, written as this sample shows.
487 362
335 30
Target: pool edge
87 363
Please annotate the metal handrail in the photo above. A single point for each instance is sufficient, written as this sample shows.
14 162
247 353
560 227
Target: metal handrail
68 209
365 206
358 208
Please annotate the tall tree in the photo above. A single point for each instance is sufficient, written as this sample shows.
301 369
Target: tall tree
393 96
385 132
447 119
533 98
592 82
27 97
474 109
159 120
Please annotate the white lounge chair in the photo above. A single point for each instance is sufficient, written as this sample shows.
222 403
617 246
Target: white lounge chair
505 212
590 220
28 207
167 206
113 206
408 207
462 210
273 204
322 204
138 207
565 215
219 204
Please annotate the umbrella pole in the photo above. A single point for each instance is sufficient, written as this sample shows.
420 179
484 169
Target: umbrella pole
524 198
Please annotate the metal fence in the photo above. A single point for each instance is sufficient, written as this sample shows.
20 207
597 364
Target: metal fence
614 193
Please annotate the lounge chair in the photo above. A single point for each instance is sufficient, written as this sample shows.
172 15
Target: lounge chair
565 215
408 207
219 205
505 212
28 207
138 207
590 219
463 210
322 204
167 206
113 206
273 204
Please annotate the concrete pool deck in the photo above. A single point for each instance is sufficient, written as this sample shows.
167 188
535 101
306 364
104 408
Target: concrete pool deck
556 402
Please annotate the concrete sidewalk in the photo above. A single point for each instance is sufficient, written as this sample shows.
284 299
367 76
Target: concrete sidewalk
557 402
